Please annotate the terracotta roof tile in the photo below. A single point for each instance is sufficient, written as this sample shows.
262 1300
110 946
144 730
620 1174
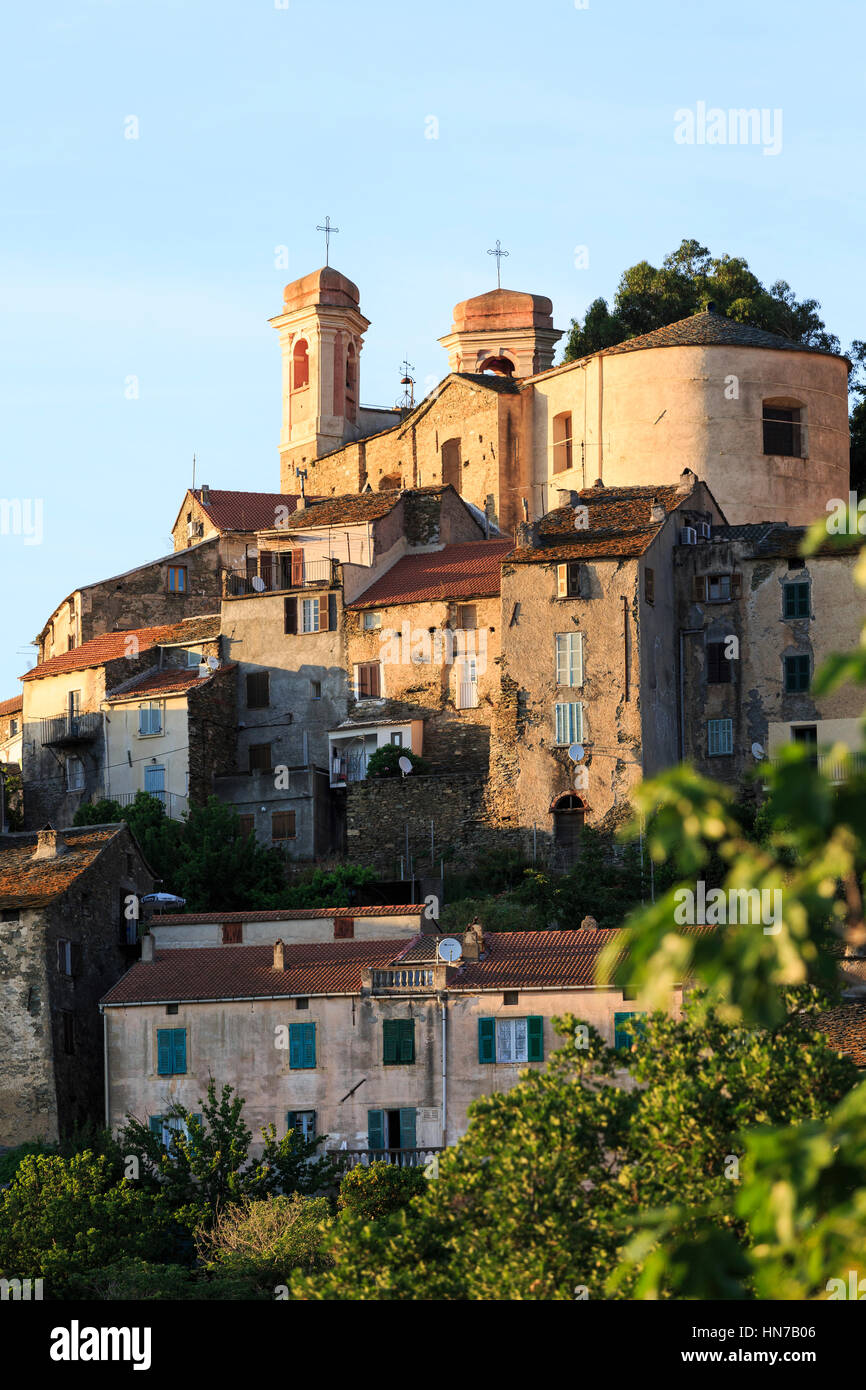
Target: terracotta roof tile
845 1029
11 706
25 882
470 570
287 914
113 645
709 330
247 972
355 507
619 524
245 511
175 681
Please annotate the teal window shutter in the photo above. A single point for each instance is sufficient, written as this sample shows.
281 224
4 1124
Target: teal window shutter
155 1123
623 1038
164 1051
486 1040
407 1040
407 1129
290 1121
295 1045
309 1044
390 1041
535 1039
178 1051
375 1129
302 1045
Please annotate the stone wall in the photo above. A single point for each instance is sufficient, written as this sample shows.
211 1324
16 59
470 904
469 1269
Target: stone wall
212 725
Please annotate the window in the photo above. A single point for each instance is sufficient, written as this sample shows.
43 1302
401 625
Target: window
569 723
302 1046
511 1040
398 1038
74 774
172 1008
344 928
67 1024
562 442
70 642
310 614
649 585
467 683
300 365
283 825
193 658
807 735
167 1126
68 957
451 451
467 617
720 737
368 682
797 674
232 933
718 588
177 579
511 996
568 580
171 1051
795 600
315 690
391 1129
718 665
371 621
569 658
149 719
397 739
74 703
13 727
316 615
246 826
626 1031
782 429
260 757
303 1122
258 690
302 1003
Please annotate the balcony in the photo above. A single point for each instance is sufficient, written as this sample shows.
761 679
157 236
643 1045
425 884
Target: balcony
66 729
174 804
400 1158
278 574
836 769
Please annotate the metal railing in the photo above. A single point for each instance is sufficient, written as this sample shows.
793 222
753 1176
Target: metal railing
400 1158
175 804
467 695
348 767
831 766
277 574
70 728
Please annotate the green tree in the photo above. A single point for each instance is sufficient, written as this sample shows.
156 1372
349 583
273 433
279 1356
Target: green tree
378 1189
265 1241
385 761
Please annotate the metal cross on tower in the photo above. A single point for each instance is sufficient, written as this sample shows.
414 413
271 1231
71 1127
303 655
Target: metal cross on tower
328 229
498 253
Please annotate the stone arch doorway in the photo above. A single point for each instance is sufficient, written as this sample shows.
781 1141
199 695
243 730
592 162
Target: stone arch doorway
569 818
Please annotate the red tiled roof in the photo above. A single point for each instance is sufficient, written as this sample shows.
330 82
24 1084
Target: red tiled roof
845 1030
25 882
355 507
247 972
286 914
469 570
619 524
113 645
11 706
245 511
175 680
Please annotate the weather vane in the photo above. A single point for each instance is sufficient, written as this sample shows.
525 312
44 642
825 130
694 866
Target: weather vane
498 253
328 229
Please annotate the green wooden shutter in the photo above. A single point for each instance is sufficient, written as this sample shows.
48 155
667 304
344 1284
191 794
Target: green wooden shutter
626 1038
291 1120
407 1040
302 1045
155 1123
375 1129
407 1129
309 1044
164 1053
391 1041
178 1051
486 1040
535 1038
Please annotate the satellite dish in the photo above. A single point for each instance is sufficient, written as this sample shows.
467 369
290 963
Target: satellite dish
575 752
258 583
449 948
404 765
212 663
757 752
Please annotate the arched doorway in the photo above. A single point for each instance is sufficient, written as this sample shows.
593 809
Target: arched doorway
569 816
500 366
451 451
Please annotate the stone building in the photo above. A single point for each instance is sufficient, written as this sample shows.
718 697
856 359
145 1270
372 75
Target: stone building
177 586
376 1042
762 420
756 620
11 725
590 657
63 943
64 733
230 518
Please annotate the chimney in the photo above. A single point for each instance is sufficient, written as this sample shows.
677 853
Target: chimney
473 941
657 511
567 497
279 955
528 534
147 946
205 495
589 924
687 482
302 502
50 844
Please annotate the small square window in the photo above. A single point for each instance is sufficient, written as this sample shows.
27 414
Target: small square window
302 1003
315 690
177 579
371 621
258 690
260 757
718 588
171 1008
283 825
511 996
797 674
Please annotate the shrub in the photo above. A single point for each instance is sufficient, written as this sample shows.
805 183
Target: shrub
385 762
263 1241
379 1189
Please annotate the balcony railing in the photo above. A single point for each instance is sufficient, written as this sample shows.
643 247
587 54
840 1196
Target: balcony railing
831 766
348 767
175 805
278 575
400 1158
467 695
70 728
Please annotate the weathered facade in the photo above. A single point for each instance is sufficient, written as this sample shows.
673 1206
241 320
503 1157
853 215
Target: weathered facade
63 935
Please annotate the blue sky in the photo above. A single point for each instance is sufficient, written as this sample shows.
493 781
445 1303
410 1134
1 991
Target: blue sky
154 258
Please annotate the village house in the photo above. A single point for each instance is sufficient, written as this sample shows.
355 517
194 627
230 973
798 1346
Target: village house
230 518
756 620
64 754
66 936
11 729
377 1043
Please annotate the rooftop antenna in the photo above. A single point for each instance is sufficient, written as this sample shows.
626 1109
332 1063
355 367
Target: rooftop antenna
302 474
498 253
193 472
327 229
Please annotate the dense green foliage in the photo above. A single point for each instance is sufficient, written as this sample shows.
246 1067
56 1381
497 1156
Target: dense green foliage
378 1189
385 762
